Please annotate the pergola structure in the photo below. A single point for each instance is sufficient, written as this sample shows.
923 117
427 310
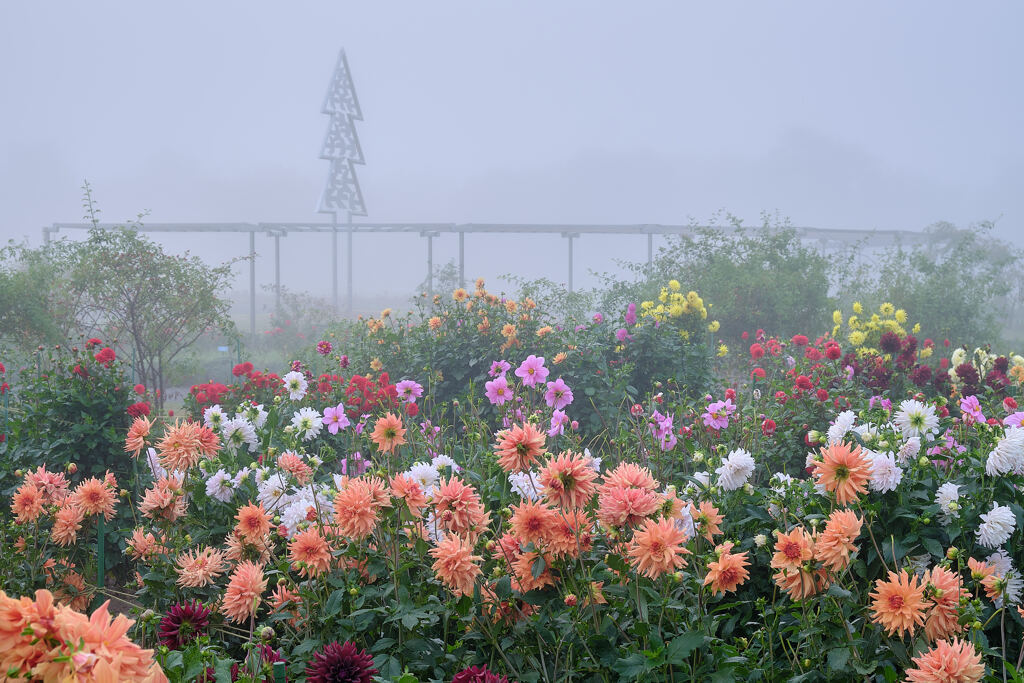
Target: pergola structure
824 237
342 195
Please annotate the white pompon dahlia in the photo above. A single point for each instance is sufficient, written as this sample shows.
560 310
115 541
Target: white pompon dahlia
735 470
948 500
996 526
1008 455
842 425
886 475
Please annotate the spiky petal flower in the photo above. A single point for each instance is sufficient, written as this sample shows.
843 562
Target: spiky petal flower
996 526
844 471
244 592
184 623
388 433
340 663
568 481
519 447
728 572
657 548
950 661
456 565
898 604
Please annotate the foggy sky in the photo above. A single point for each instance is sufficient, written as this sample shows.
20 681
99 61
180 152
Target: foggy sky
866 115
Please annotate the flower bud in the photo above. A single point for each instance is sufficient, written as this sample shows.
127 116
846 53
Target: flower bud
923 461
267 634
353 591
952 553
570 600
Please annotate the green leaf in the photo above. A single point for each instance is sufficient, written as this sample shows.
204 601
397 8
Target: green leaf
838 658
631 666
410 621
538 567
222 670
679 648
933 546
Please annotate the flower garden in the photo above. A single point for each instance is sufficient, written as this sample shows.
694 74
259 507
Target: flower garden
480 492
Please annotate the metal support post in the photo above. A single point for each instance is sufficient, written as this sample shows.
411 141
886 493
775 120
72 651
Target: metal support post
430 264
570 236
334 261
462 258
277 273
348 270
252 285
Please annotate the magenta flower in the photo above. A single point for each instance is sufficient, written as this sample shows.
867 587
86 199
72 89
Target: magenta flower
631 314
717 415
409 390
598 318
558 395
663 430
499 367
623 335
498 391
558 422
881 400
335 418
970 408
1015 420
343 362
532 371
324 347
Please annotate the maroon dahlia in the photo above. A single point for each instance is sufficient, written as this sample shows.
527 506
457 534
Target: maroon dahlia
184 623
479 674
890 342
340 663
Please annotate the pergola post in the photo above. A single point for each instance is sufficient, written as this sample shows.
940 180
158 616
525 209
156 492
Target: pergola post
570 236
348 265
462 258
277 272
334 261
650 249
430 235
252 285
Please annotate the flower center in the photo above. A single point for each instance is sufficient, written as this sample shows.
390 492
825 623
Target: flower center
895 602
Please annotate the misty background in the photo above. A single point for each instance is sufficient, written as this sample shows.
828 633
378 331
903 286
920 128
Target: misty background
875 115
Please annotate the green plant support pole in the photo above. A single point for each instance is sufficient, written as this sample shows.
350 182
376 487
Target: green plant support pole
100 548
279 673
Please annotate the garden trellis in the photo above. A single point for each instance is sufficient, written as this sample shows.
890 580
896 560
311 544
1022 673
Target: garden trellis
824 237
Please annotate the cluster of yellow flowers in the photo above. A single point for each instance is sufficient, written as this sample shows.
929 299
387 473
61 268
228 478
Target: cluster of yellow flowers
672 304
864 331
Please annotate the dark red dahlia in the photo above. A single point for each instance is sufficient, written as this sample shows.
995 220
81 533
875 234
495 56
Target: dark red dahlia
921 375
479 674
184 623
340 663
968 374
1002 364
890 342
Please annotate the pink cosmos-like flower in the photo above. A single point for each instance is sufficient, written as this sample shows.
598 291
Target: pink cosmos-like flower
663 431
335 418
499 367
532 371
971 409
409 390
1015 420
717 415
558 422
558 395
498 390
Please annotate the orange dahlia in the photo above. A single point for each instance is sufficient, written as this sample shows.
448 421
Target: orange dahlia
801 583
456 565
572 533
457 507
309 552
406 488
354 511
184 444
66 525
295 466
792 550
524 579
244 593
844 471
388 433
519 447
944 590
835 545
898 604
137 433
27 503
533 522
143 545
52 485
165 501
253 522
631 475
621 506
706 519
95 497
728 572
568 480
950 661
200 567
657 548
